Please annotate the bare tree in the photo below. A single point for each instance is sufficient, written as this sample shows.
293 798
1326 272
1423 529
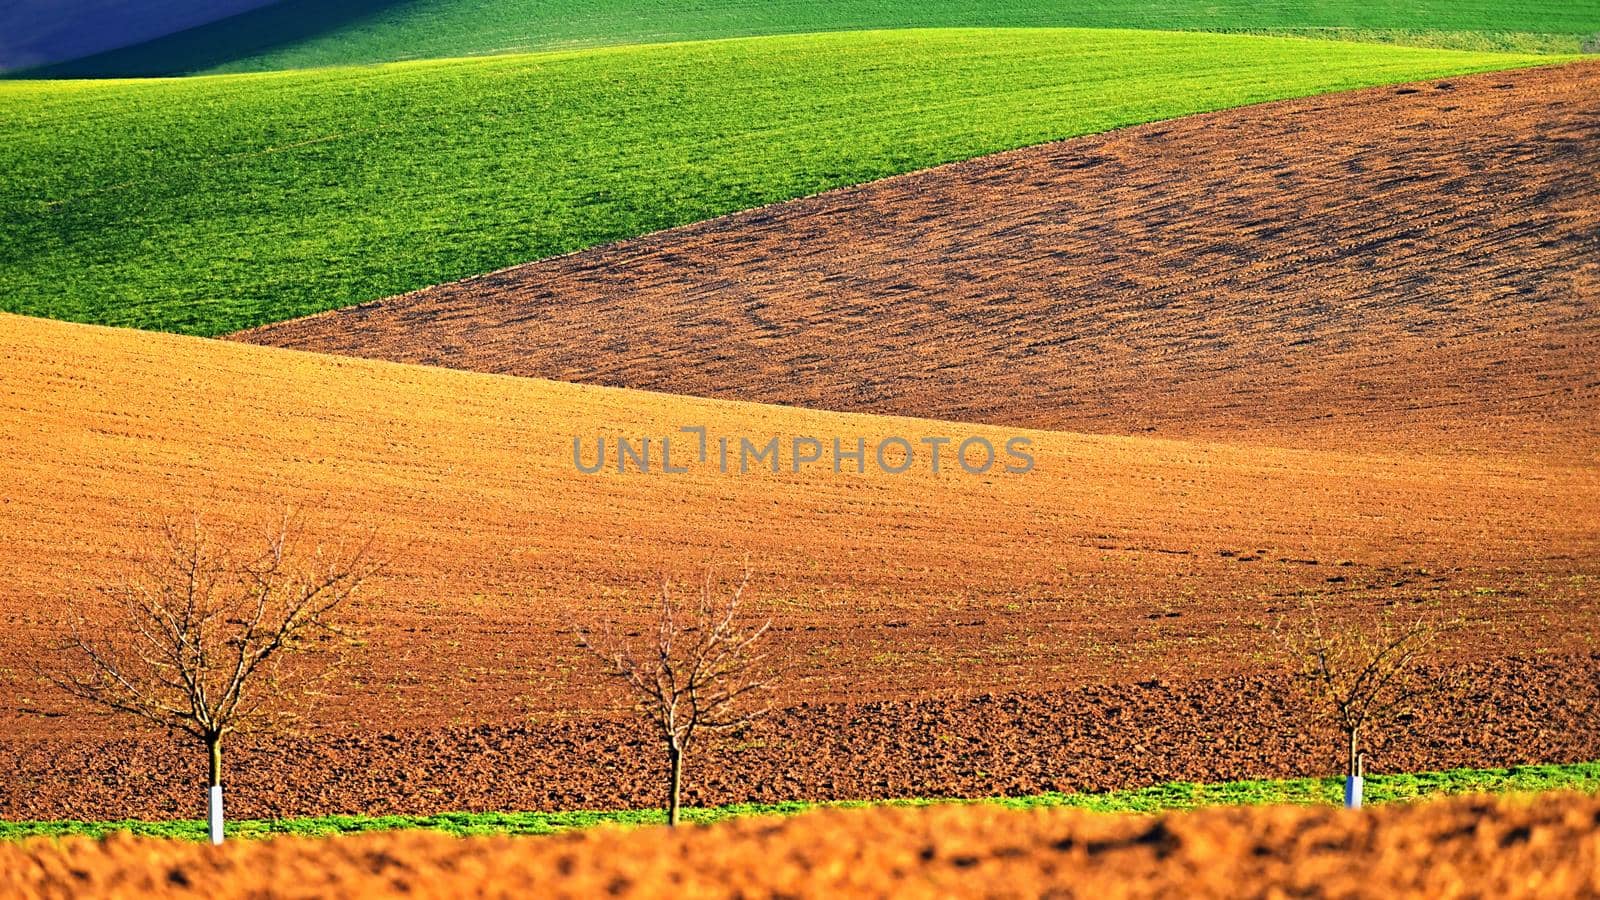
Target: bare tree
1359 676
208 642
693 674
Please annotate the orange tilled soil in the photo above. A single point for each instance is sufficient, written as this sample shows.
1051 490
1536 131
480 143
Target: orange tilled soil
1499 712
1413 267
1464 847
1115 558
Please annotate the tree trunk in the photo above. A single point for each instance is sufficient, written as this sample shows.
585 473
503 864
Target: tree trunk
214 781
675 762
214 747
1353 782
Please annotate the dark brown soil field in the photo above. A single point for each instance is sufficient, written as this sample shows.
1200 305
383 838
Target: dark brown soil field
1414 267
1096 738
1465 847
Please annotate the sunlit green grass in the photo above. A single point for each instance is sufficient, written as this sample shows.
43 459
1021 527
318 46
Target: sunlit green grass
306 33
204 205
1583 777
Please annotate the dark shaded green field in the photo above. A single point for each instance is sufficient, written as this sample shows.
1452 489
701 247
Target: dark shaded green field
307 33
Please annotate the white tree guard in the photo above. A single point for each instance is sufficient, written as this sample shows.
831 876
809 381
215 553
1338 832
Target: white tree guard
216 813
1352 791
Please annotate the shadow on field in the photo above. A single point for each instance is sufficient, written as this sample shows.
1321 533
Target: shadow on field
208 46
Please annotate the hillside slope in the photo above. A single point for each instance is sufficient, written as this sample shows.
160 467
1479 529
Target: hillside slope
1113 557
1393 268
206 205
310 33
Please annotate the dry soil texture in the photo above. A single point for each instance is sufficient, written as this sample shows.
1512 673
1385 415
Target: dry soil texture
1094 738
1469 847
1410 267
1117 559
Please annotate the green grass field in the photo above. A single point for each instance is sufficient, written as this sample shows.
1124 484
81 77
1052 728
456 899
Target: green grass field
308 33
1583 777
204 205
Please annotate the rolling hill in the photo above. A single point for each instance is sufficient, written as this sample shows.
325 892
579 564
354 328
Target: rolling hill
1408 267
1115 557
309 33
205 205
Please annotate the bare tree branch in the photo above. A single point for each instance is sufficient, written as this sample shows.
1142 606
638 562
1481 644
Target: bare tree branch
695 675
199 640
1359 676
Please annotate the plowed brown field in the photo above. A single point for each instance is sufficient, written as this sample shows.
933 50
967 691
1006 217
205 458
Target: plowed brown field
1093 738
1469 847
1116 559
1115 556
1353 337
1412 267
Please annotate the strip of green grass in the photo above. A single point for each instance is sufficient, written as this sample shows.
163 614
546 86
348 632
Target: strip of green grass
312 33
205 205
1584 777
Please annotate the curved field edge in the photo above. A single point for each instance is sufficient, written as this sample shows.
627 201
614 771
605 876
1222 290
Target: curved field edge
1139 281
213 204
1121 558
308 34
1181 795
